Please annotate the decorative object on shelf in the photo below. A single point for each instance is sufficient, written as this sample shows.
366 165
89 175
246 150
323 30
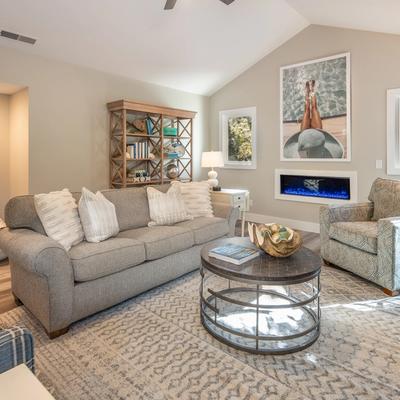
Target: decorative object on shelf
275 239
237 130
137 128
140 124
212 159
174 150
139 176
171 171
315 110
170 131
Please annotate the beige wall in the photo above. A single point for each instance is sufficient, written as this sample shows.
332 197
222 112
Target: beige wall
68 120
375 66
4 152
19 143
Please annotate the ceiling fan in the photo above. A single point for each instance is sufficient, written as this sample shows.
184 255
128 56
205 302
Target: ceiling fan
170 4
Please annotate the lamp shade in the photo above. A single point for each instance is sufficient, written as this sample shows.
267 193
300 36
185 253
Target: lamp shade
212 159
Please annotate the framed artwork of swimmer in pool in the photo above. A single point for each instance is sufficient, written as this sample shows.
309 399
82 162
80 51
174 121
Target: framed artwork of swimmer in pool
315 110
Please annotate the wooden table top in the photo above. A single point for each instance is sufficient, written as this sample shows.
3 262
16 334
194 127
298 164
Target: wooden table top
300 267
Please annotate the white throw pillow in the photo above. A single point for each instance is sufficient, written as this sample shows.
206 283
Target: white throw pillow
98 216
197 198
166 208
58 213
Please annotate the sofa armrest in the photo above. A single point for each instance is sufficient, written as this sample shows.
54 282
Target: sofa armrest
388 273
341 213
42 275
16 347
230 213
35 252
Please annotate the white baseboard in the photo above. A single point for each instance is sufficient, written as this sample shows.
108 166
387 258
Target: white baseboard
292 223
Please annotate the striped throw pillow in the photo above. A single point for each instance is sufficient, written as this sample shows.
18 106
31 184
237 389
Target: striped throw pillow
58 213
98 216
166 208
197 198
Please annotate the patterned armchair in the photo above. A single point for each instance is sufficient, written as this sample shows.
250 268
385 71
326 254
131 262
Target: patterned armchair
16 347
364 238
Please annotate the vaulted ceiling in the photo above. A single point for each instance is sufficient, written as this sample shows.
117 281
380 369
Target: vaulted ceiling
197 47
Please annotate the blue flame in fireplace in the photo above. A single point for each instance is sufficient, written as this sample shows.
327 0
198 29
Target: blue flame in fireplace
314 186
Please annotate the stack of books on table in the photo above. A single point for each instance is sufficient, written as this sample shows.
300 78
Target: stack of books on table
234 253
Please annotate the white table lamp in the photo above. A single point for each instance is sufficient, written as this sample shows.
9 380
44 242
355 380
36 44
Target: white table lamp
212 159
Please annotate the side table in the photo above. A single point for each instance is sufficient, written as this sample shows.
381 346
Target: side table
239 198
20 383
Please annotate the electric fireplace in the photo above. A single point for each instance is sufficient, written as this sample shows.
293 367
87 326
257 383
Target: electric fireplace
316 186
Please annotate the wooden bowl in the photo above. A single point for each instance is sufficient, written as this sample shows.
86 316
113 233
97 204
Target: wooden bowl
276 240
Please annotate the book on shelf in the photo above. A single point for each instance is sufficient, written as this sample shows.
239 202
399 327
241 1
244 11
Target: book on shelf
138 150
149 125
234 253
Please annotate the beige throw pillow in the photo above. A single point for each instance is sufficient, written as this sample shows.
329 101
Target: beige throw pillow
166 208
197 198
98 216
58 213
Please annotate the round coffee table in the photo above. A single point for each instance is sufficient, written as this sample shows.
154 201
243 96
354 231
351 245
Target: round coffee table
267 305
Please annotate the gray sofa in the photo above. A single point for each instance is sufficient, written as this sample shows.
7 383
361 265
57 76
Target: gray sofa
364 238
61 287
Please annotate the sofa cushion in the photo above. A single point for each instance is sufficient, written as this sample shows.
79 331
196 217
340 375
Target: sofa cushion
385 194
59 215
166 208
361 235
160 241
197 198
95 260
206 228
98 216
131 205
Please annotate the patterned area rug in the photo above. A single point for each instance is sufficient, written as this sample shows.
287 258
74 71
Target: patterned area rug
154 347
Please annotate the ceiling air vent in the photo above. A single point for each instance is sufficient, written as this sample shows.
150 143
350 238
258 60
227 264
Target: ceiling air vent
17 36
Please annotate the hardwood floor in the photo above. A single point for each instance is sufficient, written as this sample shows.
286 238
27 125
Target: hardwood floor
6 298
310 240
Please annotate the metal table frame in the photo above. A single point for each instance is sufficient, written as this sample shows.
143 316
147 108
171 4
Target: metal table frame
211 302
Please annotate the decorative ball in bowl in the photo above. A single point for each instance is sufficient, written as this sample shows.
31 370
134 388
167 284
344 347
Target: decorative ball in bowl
275 239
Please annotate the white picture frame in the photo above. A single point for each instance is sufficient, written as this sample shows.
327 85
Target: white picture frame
224 117
342 138
393 132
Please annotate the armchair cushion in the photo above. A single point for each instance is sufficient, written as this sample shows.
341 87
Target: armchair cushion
16 347
385 194
361 235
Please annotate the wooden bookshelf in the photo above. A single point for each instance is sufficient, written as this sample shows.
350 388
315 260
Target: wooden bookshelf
130 123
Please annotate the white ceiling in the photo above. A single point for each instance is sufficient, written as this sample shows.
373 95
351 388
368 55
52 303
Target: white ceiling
368 15
197 47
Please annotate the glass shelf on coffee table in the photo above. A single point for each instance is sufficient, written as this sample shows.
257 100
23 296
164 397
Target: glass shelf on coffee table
268 305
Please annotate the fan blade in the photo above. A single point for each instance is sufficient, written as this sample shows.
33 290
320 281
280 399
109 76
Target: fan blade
227 2
170 4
